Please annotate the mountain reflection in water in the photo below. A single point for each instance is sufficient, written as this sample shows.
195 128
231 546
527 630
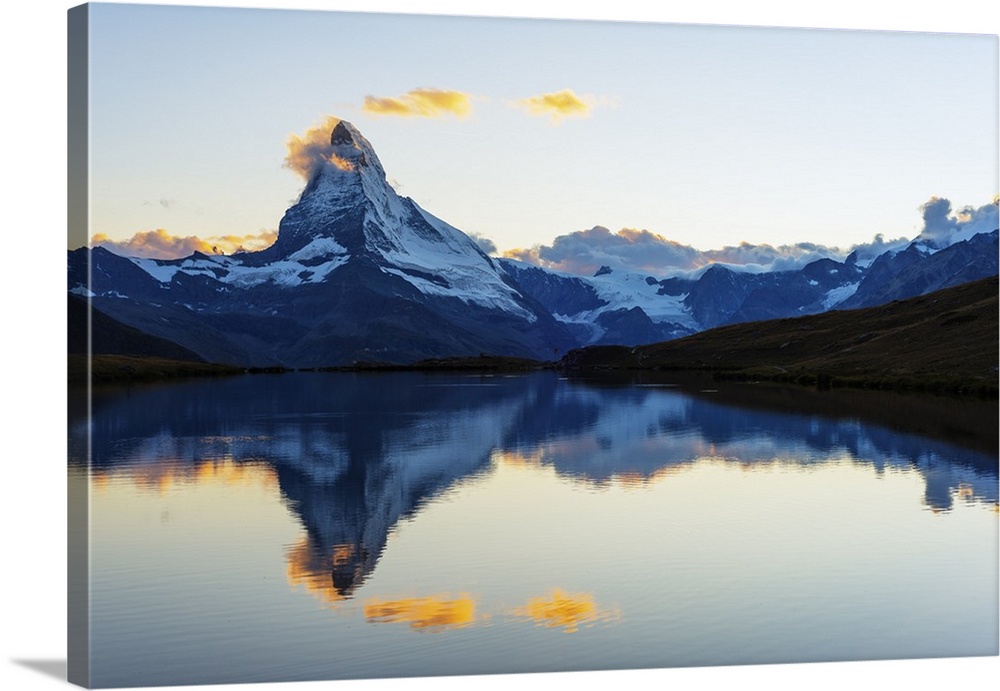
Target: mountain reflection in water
353 454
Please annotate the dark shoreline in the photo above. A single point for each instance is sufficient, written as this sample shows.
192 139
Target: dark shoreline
969 421
120 369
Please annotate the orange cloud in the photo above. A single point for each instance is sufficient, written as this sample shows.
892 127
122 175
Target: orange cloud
422 103
557 105
308 152
435 613
565 610
159 244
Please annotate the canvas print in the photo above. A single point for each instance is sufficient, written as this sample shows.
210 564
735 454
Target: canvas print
407 345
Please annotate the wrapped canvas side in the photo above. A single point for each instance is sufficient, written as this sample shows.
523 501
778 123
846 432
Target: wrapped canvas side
78 513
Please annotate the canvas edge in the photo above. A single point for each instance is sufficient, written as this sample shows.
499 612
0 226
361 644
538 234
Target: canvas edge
77 222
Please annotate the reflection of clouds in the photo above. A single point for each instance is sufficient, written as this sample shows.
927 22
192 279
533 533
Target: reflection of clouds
435 613
568 611
171 473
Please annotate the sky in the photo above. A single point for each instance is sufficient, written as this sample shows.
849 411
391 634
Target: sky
522 131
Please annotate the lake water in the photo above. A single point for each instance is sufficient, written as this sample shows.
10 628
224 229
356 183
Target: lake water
317 526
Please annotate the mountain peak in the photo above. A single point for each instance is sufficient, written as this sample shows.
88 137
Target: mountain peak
343 133
349 150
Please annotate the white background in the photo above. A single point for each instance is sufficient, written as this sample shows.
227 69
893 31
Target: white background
32 285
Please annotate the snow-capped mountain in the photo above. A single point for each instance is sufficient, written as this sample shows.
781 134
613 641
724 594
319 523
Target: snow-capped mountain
626 308
358 273
922 268
610 308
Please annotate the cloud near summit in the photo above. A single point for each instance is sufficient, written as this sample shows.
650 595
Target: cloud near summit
421 103
310 151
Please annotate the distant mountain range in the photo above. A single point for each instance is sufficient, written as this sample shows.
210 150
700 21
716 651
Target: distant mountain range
359 273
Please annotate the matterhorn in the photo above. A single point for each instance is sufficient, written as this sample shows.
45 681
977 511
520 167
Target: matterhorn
357 274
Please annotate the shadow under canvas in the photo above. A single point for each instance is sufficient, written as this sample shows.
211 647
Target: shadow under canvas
50 668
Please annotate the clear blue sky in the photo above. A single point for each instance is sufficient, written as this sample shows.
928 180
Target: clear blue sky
706 135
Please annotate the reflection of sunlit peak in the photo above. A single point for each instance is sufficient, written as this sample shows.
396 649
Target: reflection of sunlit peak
566 610
435 613
964 491
342 554
311 571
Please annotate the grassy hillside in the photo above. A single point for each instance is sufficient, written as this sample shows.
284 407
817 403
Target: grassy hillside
942 341
124 369
109 336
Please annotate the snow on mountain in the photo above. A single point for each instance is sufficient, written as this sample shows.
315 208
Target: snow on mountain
623 290
609 307
835 296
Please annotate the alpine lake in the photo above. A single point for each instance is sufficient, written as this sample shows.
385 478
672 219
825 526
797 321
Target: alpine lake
305 526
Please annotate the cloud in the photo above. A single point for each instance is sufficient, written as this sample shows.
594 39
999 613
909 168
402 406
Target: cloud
584 252
159 244
879 245
485 244
308 153
165 203
421 103
761 258
629 249
557 105
942 227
